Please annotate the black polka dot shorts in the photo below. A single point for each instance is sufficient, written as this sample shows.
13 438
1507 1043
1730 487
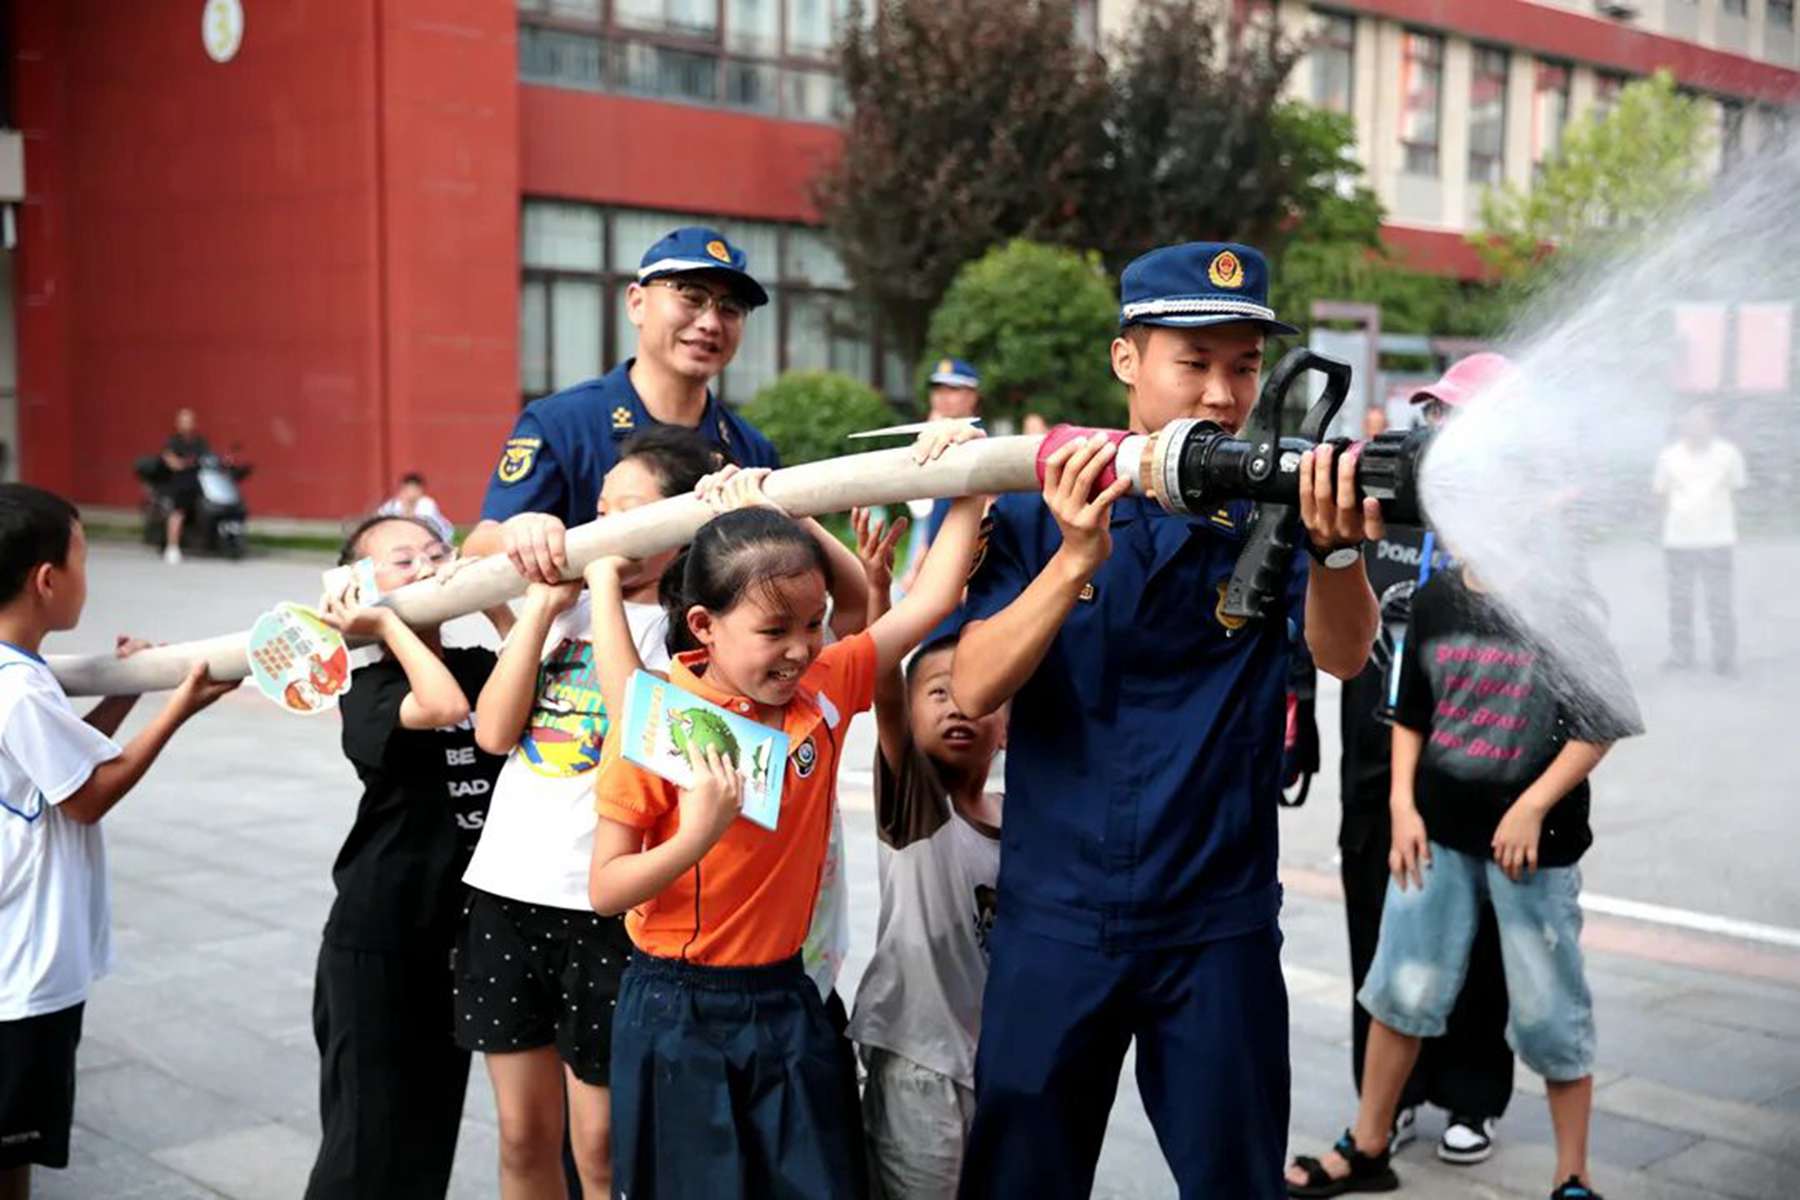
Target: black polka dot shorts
530 975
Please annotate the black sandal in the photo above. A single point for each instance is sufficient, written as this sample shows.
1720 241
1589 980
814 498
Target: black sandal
1368 1173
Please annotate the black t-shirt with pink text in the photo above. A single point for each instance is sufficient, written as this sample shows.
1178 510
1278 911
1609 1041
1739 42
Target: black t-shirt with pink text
1496 710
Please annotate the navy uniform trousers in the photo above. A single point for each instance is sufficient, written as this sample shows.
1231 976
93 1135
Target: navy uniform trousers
1211 1026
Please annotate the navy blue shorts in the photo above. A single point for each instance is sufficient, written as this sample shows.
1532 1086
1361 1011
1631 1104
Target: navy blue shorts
727 1083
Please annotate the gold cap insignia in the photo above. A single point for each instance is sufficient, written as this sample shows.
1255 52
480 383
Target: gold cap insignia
1226 271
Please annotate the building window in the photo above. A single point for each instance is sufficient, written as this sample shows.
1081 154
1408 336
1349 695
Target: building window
1607 87
1775 128
1487 115
1731 132
1781 14
1087 24
764 56
1421 100
579 259
1734 8
1333 61
1549 111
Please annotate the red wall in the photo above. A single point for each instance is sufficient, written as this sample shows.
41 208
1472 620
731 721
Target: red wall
645 154
311 245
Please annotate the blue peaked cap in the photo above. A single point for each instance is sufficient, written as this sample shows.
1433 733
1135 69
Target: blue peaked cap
954 372
697 248
1198 283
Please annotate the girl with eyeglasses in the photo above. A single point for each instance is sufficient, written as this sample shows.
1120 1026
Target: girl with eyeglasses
391 1076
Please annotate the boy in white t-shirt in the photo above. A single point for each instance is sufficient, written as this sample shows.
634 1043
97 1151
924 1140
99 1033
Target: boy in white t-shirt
918 1009
1696 477
59 774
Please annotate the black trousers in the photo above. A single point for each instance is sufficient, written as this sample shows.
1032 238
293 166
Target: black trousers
391 1077
1710 569
1469 1070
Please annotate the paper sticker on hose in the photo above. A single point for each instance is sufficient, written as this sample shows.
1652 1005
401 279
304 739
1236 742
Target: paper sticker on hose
298 661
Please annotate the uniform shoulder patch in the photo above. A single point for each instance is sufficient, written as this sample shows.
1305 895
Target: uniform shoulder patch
981 544
517 459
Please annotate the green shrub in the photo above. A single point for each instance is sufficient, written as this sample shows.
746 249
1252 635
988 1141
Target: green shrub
809 414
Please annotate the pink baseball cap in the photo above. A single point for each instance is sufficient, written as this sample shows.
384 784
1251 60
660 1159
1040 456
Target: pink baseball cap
1466 379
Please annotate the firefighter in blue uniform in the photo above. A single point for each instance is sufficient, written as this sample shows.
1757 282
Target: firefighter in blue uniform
691 299
1138 896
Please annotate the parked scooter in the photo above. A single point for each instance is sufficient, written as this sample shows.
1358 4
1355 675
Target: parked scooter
219 520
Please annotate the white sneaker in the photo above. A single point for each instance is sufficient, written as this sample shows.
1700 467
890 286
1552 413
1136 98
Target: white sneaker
172 555
1467 1140
1406 1130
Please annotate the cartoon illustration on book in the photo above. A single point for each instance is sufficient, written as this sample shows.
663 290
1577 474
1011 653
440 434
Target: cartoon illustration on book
297 660
665 724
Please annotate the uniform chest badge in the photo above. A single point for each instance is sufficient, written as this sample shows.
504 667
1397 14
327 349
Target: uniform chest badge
1231 624
806 757
517 459
622 420
1086 596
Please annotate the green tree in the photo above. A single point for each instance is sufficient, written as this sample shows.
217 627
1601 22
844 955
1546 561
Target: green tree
1614 176
1036 321
1200 143
970 122
808 414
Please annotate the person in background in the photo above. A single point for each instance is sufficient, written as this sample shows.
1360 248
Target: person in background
1375 421
1695 478
1034 425
181 454
411 500
1468 1072
955 395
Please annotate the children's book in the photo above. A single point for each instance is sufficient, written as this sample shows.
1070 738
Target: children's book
663 722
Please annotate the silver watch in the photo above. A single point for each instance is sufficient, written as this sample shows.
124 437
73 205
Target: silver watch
1343 556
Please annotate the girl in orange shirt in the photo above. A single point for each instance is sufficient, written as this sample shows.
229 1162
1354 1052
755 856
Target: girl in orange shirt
725 1070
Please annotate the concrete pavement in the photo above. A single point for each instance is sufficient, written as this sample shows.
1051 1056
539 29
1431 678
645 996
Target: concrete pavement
198 1071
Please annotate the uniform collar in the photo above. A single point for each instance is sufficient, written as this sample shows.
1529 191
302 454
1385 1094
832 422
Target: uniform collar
713 422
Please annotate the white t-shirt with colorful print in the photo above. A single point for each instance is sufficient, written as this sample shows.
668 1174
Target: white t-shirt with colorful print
539 835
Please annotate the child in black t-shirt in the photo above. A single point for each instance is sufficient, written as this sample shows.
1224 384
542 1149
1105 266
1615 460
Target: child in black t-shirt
391 1077
1494 738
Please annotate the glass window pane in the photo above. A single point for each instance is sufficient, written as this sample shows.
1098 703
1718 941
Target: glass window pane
760 243
1334 61
812 26
534 340
814 96
1487 115
636 230
561 236
1550 110
638 14
672 74
808 333
624 332
753 86
574 331
755 366
810 259
699 18
1422 59
588 9
753 27
852 349
560 59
